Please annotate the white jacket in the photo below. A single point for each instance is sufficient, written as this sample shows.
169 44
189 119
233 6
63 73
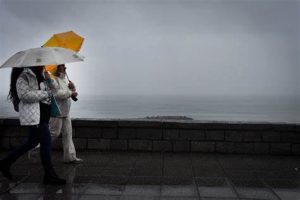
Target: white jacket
62 95
30 96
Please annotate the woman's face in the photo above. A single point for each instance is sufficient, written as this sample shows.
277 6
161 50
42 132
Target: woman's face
61 69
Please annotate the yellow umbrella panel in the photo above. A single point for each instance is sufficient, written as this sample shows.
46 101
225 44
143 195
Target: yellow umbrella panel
68 40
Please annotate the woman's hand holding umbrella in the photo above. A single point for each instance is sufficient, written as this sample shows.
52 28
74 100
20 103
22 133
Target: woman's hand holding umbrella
73 89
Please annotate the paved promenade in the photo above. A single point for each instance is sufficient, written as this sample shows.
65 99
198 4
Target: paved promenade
160 176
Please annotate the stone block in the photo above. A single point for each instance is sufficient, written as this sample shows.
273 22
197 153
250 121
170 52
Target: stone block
149 133
256 127
284 127
181 146
16 141
139 124
127 133
225 147
203 147
244 148
216 126
271 136
94 123
11 122
236 126
233 136
80 143
57 144
109 133
140 145
280 148
296 149
171 134
215 135
15 131
191 134
162 145
298 128
197 125
99 144
88 132
292 137
261 148
252 136
4 143
174 125
73 133
118 145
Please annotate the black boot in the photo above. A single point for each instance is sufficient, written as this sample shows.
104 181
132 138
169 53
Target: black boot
51 178
5 169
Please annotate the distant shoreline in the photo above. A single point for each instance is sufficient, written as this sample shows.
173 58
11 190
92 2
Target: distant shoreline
270 110
163 119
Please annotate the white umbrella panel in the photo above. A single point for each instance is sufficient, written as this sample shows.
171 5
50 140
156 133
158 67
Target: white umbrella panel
42 56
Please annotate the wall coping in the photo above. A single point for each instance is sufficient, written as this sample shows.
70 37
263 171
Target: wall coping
170 124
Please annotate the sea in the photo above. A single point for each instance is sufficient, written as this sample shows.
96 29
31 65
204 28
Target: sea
182 107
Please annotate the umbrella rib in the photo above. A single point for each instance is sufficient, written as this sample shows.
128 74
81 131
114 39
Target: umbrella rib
23 58
56 58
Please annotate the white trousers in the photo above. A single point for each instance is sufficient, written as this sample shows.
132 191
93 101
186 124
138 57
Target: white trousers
63 125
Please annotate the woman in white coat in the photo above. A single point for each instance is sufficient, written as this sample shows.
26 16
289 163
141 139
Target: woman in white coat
62 123
28 90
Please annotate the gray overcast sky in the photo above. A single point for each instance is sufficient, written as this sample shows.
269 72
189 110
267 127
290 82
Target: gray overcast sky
194 47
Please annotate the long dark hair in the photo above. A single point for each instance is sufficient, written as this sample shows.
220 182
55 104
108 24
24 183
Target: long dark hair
15 73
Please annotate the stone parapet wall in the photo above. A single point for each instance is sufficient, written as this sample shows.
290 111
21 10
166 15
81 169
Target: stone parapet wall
170 136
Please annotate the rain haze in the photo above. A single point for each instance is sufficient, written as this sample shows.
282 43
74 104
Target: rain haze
166 47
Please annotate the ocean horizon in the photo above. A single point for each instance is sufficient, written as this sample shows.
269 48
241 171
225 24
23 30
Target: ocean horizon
184 107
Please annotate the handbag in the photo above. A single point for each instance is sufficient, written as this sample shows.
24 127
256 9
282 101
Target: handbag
55 111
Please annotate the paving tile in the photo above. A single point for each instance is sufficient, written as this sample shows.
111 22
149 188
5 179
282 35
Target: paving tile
288 194
110 180
215 187
78 188
179 190
147 171
100 197
221 198
139 175
209 172
240 174
253 188
287 183
142 190
176 169
144 180
28 188
177 180
8 196
115 172
276 174
179 198
89 171
233 162
120 161
140 197
104 189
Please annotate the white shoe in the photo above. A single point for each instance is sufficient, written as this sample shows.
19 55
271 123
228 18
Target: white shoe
75 161
33 154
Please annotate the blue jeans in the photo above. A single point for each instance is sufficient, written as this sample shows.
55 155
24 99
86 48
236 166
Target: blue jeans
37 134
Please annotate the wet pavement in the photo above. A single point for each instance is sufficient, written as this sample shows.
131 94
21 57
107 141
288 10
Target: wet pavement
159 176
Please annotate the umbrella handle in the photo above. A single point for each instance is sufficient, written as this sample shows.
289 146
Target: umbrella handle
72 97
